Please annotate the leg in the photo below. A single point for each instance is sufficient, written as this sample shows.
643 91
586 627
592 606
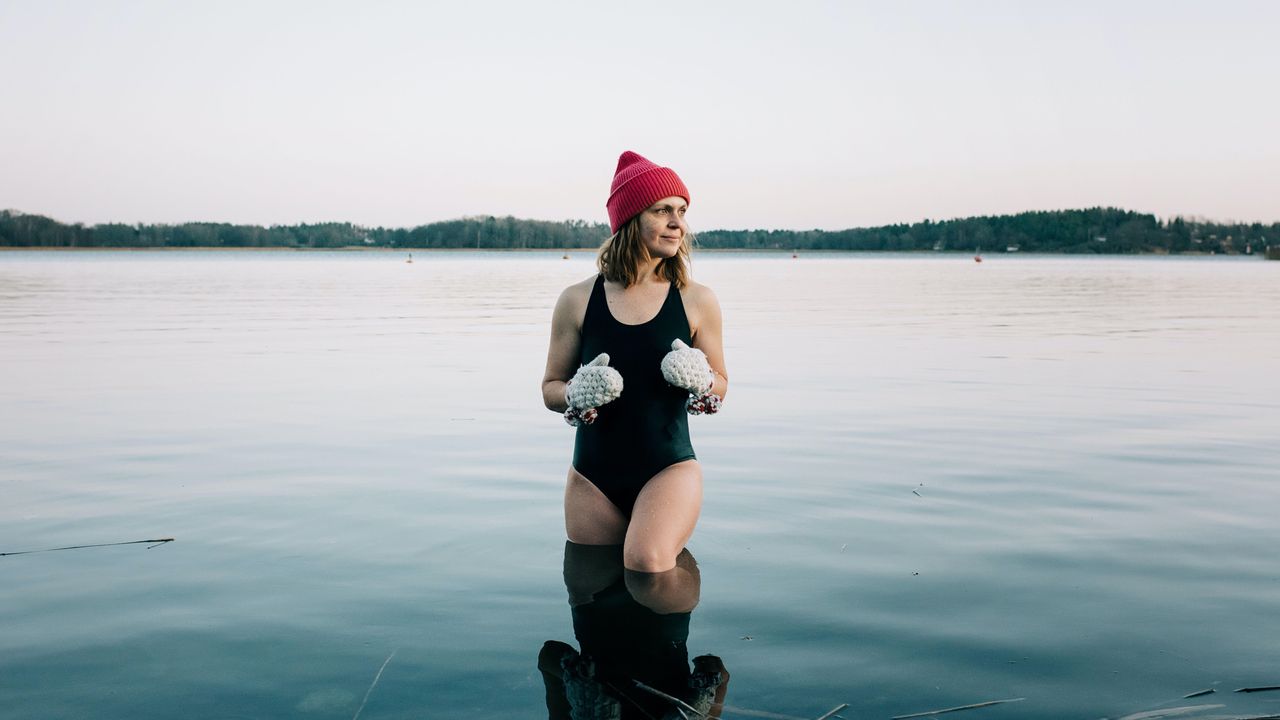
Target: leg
588 569
663 518
674 591
589 517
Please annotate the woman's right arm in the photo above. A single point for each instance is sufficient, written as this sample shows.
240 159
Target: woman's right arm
566 342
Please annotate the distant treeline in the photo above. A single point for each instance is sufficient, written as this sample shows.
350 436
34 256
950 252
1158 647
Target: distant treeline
21 230
1095 230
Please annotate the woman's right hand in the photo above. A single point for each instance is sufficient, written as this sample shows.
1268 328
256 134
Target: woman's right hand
594 385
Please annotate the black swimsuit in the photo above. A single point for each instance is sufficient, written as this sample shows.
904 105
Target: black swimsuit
646 429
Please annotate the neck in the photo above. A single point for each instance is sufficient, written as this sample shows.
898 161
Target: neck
648 271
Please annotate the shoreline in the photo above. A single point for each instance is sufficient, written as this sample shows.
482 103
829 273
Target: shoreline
699 250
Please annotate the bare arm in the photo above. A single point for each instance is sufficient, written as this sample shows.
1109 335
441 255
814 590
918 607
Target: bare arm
708 335
566 343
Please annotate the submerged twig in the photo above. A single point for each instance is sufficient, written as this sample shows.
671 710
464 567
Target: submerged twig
1198 693
679 703
834 710
369 692
758 713
988 703
1259 689
1172 712
153 543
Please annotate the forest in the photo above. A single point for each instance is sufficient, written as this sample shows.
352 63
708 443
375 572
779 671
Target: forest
1092 230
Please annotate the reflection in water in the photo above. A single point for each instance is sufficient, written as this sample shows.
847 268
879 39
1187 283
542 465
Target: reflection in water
632 629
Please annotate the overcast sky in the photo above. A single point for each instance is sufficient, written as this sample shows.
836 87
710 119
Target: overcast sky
777 115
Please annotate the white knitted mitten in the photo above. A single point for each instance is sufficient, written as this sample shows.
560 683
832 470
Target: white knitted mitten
592 386
687 368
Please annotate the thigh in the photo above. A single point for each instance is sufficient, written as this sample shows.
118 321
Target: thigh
588 569
674 591
664 516
589 517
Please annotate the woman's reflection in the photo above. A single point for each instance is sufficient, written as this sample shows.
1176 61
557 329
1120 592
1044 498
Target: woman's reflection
631 628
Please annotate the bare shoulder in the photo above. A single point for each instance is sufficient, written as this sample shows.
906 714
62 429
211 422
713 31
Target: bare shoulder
700 297
572 304
579 291
701 304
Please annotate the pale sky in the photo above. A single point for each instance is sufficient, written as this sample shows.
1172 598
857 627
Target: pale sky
776 115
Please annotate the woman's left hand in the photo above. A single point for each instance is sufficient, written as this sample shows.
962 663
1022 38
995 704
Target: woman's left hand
687 367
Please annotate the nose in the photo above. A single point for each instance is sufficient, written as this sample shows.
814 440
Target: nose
676 221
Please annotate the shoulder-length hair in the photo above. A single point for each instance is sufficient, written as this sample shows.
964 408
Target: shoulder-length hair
622 253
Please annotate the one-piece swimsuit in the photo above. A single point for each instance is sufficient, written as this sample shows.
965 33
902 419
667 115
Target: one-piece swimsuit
646 429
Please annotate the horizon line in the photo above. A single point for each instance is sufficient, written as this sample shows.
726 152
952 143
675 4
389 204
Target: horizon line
1159 218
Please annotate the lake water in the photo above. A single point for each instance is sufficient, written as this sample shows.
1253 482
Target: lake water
934 483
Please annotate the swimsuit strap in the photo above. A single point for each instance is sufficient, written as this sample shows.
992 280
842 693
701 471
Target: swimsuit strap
596 305
673 308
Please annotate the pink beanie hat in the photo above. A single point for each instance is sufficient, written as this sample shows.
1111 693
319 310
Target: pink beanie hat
637 184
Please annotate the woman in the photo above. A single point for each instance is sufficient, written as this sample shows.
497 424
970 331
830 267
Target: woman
633 350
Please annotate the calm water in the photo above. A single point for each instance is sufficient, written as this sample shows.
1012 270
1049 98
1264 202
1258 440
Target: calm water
935 483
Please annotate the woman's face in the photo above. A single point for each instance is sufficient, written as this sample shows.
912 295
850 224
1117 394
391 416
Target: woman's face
662 227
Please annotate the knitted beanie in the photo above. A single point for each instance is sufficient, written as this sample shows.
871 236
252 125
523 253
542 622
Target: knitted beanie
637 184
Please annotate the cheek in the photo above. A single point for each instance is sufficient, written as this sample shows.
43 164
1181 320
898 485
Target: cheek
651 227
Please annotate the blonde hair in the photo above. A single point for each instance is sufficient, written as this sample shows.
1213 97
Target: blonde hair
622 253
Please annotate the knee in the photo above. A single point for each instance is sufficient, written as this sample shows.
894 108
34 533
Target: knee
648 558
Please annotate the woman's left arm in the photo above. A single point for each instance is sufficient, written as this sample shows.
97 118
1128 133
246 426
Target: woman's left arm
708 335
